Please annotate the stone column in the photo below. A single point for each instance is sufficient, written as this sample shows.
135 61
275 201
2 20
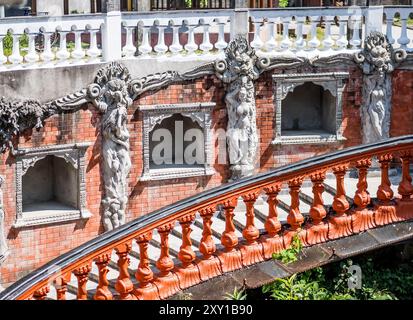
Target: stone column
143 5
110 5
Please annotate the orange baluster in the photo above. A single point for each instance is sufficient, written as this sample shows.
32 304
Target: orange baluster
82 274
251 252
362 218
209 266
60 285
147 289
231 257
385 209
404 207
272 242
167 281
124 284
295 218
41 294
102 291
340 222
188 273
317 230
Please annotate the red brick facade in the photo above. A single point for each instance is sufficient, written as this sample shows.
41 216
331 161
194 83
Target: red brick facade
34 246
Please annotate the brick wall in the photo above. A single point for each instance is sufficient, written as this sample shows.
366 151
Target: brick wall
34 246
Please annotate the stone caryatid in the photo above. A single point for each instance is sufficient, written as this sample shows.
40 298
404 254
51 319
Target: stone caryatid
377 60
239 70
3 243
113 101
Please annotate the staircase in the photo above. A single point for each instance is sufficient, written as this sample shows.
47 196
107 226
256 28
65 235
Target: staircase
234 226
218 227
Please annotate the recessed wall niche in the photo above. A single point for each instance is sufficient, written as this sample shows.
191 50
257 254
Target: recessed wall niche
50 184
308 107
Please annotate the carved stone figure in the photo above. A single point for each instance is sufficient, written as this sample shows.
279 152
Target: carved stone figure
113 103
239 70
3 243
377 60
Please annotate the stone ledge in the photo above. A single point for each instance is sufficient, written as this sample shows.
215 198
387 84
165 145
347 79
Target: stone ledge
308 139
52 217
165 174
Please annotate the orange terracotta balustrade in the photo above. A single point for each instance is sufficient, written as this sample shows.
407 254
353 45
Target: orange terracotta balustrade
345 218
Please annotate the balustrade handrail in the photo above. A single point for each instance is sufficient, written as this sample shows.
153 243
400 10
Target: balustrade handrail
25 287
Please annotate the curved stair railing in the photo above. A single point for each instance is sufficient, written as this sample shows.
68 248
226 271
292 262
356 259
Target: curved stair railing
342 220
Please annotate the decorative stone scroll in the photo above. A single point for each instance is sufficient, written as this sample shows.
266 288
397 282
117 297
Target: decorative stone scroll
4 250
239 70
377 60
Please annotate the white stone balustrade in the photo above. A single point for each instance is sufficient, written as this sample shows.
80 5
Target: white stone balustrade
175 34
202 34
47 40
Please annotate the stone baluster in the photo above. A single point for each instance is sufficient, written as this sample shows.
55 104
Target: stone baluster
285 42
176 46
340 222
145 48
191 46
78 53
15 57
161 48
251 252
317 230
295 218
62 53
271 43
221 44
362 217
60 285
3 58
206 44
146 289
355 40
47 55
209 266
31 56
257 43
389 28
385 210
41 294
188 273
342 41
167 281
328 42
272 242
129 49
124 284
82 274
93 52
299 41
102 291
314 43
404 207
231 257
404 39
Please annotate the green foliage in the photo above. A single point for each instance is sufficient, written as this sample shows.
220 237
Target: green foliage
331 283
290 255
8 43
283 3
236 295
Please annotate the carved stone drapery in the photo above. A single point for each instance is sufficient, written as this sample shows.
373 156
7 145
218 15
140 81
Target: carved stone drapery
377 60
239 70
3 243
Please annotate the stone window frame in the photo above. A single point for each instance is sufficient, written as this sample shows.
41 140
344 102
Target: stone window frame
73 154
155 114
334 82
